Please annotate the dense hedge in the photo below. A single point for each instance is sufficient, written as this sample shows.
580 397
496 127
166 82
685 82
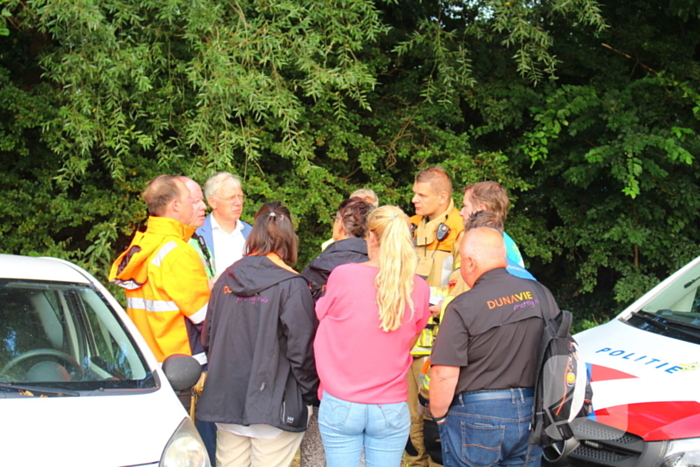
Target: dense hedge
586 111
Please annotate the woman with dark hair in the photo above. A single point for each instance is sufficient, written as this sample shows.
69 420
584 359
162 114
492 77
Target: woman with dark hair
349 246
258 337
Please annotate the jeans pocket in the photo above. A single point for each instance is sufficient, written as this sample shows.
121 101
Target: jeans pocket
481 443
333 412
396 416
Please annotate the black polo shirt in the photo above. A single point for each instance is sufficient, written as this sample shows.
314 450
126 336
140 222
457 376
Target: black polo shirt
493 332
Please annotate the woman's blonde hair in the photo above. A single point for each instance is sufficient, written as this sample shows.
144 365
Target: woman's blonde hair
397 265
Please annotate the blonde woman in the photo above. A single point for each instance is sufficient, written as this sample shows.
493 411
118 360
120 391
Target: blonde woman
369 319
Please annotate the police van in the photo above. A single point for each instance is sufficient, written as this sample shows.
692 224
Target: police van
78 384
645 371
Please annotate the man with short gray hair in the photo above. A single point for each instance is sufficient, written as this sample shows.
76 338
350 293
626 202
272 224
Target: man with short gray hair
224 233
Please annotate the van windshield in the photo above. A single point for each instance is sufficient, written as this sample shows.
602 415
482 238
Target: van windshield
675 312
65 336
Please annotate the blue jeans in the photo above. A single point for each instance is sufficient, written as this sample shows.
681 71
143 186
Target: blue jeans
348 427
489 433
207 430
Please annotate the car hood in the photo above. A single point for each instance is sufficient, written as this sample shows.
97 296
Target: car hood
110 430
643 383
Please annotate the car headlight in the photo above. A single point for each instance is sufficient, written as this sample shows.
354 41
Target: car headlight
682 453
185 448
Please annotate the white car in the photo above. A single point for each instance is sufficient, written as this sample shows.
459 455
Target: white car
78 384
645 373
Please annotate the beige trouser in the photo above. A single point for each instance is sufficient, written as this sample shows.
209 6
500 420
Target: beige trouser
242 451
416 433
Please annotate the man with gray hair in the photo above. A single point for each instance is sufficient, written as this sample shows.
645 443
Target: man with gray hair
224 232
485 360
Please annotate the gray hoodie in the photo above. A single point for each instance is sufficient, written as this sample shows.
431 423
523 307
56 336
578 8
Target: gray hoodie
258 337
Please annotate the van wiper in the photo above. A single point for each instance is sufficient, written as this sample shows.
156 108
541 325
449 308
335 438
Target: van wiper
37 391
650 320
688 284
654 321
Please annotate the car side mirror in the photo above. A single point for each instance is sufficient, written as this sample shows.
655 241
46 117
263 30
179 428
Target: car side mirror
182 371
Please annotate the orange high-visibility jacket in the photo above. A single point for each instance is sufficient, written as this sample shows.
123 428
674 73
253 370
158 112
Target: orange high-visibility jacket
167 289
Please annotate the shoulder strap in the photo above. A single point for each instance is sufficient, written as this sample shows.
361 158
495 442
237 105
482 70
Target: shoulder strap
546 302
566 316
205 252
537 418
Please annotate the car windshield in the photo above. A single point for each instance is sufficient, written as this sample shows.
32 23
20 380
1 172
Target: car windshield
675 312
65 336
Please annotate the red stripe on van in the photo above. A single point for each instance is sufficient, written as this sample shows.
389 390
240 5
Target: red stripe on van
603 373
655 421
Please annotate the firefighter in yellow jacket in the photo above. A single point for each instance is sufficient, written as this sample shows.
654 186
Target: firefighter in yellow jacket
437 228
167 289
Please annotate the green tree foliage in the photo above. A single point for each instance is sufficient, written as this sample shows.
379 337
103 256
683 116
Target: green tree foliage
609 151
145 87
587 111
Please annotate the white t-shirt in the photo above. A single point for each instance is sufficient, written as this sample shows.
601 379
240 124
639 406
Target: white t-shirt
228 248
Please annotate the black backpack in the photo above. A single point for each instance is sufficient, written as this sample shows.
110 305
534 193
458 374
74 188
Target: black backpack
562 390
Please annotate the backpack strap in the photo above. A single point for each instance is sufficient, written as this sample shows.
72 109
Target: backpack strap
550 331
537 419
550 303
564 318
566 321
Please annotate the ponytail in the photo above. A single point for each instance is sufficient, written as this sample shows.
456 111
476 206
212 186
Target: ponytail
273 232
397 265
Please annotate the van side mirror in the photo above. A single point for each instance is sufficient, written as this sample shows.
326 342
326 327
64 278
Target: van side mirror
182 371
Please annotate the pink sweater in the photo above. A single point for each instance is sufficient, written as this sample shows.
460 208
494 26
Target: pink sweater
355 359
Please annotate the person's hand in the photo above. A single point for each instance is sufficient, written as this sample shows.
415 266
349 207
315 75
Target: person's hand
435 309
212 281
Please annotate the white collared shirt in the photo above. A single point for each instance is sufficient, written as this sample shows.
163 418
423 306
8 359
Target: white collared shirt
228 248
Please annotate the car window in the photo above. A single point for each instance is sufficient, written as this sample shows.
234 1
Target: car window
67 336
675 312
680 298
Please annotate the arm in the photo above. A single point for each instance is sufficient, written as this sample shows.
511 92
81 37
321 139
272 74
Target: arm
450 354
443 381
414 340
210 321
326 300
299 326
316 280
423 310
187 283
